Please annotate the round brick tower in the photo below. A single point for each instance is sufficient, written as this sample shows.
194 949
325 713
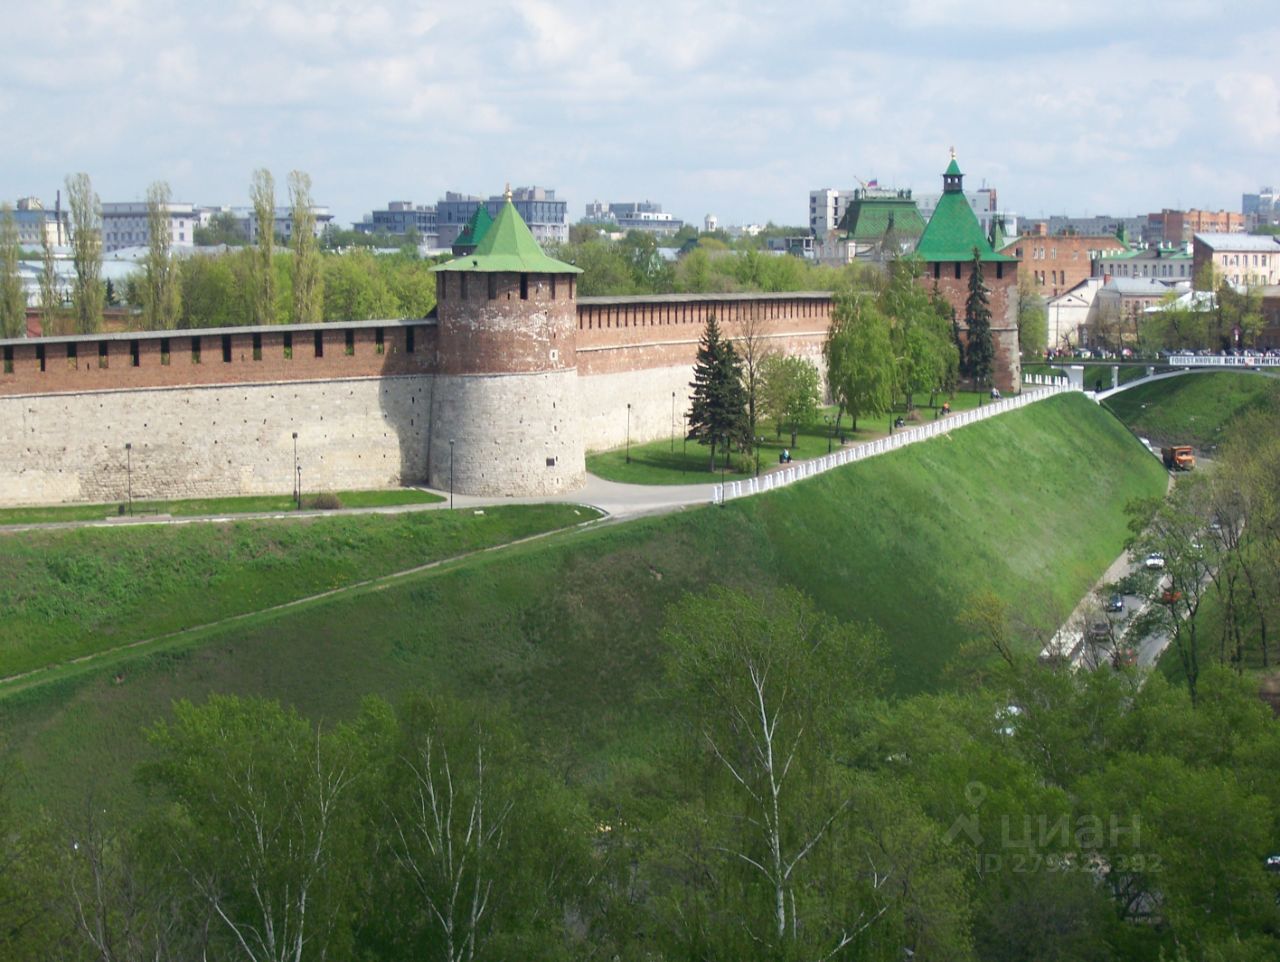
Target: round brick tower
504 411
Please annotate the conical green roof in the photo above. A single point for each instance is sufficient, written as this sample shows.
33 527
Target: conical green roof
508 247
953 169
476 228
953 232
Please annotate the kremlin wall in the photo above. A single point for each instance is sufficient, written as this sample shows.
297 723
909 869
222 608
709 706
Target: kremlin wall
503 390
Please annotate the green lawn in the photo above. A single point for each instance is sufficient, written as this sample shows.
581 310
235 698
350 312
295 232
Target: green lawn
209 506
687 462
69 593
1193 408
561 632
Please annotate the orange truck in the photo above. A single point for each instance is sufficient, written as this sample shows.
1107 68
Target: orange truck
1178 457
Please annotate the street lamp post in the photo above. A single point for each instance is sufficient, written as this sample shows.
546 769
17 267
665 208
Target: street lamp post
297 474
673 422
299 487
128 454
451 474
628 432
827 418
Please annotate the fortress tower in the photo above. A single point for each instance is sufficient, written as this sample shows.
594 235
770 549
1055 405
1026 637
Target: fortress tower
505 407
947 247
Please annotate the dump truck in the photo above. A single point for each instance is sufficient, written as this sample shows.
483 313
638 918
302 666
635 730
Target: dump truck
1178 457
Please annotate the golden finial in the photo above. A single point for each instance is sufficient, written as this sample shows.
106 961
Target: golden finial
507 194
953 153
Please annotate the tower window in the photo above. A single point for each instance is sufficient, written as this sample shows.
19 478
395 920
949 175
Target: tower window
134 357
164 351
102 354
462 284
319 343
226 348
195 350
349 348
257 347
379 345
524 287
937 271
957 270
40 356
408 340
8 360
288 345
999 271
493 286
553 287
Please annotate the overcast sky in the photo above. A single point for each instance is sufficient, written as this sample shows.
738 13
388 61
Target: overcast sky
736 108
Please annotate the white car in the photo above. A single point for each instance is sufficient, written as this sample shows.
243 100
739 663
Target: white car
1154 561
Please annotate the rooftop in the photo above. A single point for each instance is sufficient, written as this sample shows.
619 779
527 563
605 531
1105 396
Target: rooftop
508 247
953 231
1240 242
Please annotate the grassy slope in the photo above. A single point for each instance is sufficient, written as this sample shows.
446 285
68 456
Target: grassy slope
1193 409
66 593
1029 505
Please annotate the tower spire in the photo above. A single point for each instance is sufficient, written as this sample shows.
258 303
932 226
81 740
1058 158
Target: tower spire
506 194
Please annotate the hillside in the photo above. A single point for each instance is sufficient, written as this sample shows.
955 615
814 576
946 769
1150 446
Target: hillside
1029 505
1194 408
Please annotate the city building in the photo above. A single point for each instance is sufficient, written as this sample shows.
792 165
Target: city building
826 209
633 215
1134 229
1243 260
1168 263
1260 209
36 225
283 216
547 217
1070 314
1121 303
1059 263
877 224
127 224
400 217
1179 226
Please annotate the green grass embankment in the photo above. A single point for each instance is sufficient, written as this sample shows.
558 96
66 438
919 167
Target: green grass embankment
1193 408
563 632
69 593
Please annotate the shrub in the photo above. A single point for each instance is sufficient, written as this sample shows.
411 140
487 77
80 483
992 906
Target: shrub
324 501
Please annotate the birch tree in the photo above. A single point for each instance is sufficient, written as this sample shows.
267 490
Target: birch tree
259 818
13 299
161 290
86 252
262 194
308 281
765 680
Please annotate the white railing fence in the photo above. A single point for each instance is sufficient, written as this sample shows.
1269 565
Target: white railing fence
721 493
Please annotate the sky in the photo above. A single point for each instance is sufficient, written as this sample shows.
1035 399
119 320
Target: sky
732 108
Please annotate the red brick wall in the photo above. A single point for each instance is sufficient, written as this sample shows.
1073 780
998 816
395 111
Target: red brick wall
1058 264
1003 298
86 371
505 333
659 332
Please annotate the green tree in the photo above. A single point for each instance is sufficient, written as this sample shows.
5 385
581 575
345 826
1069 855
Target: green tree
216 290
86 252
308 279
223 229
859 355
1033 318
355 288
979 350
162 288
789 392
260 823
13 298
766 682
486 855
926 356
262 194
718 411
50 296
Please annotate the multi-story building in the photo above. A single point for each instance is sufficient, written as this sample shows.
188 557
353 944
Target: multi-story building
36 225
1134 228
1059 263
1261 208
1179 226
634 215
1121 304
826 209
877 224
283 218
127 224
398 218
547 217
1167 263
1243 260
1070 313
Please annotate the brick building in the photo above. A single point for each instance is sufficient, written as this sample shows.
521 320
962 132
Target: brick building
1179 226
1244 260
947 249
1058 264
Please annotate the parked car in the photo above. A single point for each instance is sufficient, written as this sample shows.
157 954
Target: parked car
1099 631
1115 602
1154 561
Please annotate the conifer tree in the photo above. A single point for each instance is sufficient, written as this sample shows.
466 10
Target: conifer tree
718 415
979 353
